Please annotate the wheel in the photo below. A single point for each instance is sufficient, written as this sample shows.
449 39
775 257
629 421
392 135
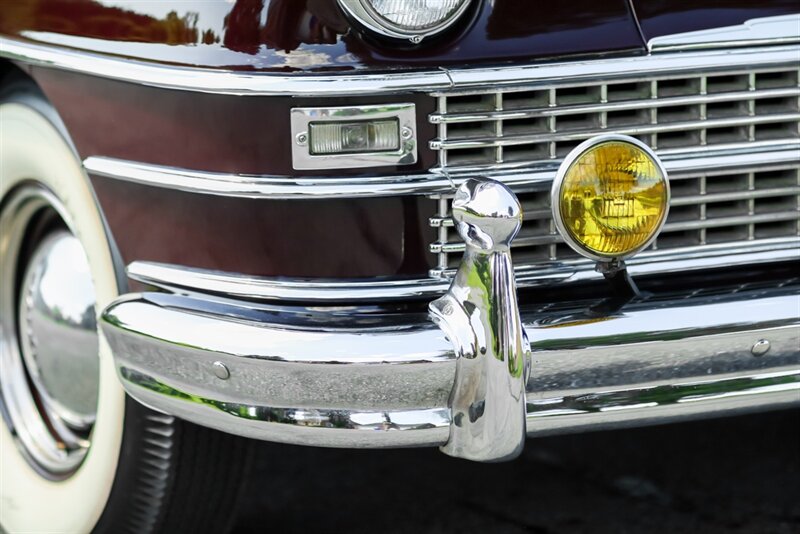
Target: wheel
76 453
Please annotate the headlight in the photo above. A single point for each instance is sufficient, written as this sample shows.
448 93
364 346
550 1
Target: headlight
405 19
610 197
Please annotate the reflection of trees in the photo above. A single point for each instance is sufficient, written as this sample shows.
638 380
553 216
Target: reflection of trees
242 26
88 319
291 23
88 18
288 24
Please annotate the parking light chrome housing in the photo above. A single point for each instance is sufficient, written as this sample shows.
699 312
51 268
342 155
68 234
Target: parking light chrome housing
404 152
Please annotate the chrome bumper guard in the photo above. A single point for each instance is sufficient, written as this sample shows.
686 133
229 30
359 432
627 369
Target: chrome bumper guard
474 386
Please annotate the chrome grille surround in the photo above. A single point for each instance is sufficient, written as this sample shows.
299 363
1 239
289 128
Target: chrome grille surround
720 115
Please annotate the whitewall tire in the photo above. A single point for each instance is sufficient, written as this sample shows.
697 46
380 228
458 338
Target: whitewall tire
131 469
32 149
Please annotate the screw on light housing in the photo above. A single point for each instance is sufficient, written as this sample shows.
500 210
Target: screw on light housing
610 199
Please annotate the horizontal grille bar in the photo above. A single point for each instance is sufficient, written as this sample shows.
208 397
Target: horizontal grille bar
579 135
447 222
732 221
735 195
463 117
520 242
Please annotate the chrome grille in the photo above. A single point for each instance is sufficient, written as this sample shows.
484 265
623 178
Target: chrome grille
706 208
534 128
509 127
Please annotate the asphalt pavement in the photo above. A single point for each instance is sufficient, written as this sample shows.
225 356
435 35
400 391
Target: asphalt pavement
739 474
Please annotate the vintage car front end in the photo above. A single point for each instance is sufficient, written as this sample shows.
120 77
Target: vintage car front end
358 362
373 256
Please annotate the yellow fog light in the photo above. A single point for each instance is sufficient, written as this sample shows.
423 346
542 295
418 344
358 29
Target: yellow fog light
610 197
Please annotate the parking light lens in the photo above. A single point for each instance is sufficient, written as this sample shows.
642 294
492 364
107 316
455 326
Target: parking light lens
354 137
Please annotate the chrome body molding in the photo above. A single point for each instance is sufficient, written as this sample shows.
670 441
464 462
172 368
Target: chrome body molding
189 280
343 379
783 29
270 83
480 316
192 281
435 183
217 81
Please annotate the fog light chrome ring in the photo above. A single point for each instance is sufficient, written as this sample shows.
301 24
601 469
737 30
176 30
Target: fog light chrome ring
558 184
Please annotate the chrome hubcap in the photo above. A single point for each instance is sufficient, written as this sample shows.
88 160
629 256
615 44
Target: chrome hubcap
58 331
50 366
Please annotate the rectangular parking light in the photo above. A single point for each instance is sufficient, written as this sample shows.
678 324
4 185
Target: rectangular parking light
347 137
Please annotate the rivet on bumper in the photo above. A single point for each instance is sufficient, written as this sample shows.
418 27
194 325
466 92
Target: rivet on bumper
480 315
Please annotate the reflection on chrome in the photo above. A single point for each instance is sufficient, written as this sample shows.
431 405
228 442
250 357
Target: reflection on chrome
662 403
48 336
480 315
57 322
659 359
299 425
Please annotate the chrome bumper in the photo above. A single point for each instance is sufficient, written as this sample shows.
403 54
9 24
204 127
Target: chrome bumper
354 377
380 385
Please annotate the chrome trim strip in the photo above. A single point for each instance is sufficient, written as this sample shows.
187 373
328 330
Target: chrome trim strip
276 187
189 281
658 404
337 84
220 81
302 379
782 29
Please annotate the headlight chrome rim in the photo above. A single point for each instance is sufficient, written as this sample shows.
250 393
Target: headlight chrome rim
366 15
558 182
